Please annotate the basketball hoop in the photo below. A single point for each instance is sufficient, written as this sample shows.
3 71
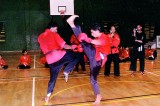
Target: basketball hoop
62 13
61 7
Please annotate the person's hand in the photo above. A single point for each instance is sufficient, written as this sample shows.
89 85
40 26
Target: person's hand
84 37
138 41
79 48
73 47
134 30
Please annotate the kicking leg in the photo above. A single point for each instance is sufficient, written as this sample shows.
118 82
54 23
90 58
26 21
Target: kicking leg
71 19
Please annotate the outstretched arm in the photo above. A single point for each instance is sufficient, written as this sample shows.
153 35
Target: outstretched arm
96 42
72 47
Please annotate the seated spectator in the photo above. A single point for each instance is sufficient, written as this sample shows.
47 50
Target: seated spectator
44 61
126 54
3 63
121 54
24 60
150 53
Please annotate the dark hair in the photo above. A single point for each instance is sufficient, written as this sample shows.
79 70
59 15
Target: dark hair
149 46
24 51
95 27
52 24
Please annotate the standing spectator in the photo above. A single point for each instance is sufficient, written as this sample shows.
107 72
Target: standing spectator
3 64
114 55
138 52
25 60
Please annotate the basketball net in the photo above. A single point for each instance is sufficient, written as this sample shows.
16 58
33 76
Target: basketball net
62 13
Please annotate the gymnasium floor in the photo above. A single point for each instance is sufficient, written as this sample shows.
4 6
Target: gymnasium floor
28 87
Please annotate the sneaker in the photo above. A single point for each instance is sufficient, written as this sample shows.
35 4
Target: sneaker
65 76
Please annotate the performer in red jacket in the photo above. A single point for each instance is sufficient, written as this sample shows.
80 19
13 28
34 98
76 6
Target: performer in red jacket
114 41
55 50
95 49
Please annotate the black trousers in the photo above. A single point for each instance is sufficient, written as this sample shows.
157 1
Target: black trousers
115 59
24 67
137 55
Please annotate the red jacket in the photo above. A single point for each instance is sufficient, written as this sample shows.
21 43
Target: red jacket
149 52
2 62
74 40
126 53
105 46
120 53
114 41
50 41
43 60
52 46
25 60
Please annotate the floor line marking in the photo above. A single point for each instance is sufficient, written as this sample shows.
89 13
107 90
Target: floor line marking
33 91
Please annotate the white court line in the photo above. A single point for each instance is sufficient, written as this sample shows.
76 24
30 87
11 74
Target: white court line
34 61
152 73
33 91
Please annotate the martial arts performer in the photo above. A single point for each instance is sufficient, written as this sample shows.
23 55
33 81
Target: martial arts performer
95 49
54 49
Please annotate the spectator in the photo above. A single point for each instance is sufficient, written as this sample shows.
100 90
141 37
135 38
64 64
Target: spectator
114 55
150 53
3 64
25 60
138 52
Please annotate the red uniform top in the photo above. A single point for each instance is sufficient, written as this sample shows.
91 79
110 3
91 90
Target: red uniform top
2 62
43 60
105 46
51 45
25 60
120 53
114 41
149 52
74 40
126 53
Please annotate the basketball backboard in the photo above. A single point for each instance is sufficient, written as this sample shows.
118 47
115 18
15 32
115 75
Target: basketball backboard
61 7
